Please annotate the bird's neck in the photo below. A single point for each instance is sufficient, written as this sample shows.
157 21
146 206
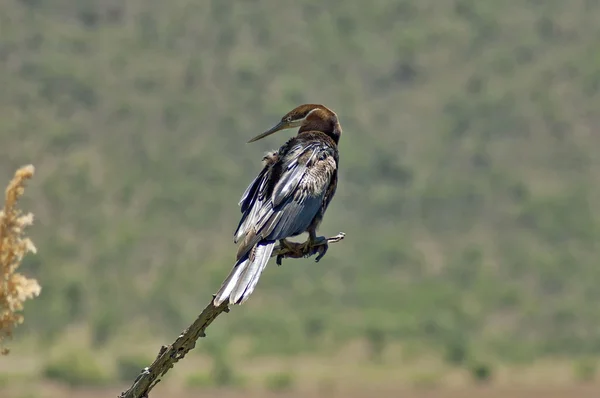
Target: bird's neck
329 127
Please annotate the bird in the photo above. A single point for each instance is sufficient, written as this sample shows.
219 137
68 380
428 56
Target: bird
288 197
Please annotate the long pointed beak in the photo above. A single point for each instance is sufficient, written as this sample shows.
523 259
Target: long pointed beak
279 126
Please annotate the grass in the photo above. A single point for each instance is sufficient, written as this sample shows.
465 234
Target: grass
15 288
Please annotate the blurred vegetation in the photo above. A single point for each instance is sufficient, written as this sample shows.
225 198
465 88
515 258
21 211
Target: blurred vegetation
76 368
585 369
279 381
468 186
130 366
426 380
481 372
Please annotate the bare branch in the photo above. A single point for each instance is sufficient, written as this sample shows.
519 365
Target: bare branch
169 355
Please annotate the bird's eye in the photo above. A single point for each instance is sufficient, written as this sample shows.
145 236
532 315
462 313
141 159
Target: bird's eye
288 119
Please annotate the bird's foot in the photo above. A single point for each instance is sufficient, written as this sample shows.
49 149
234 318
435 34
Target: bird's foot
292 250
318 245
321 244
289 249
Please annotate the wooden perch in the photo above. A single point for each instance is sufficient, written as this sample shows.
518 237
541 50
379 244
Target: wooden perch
169 355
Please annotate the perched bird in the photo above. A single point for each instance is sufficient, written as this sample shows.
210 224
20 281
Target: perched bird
287 198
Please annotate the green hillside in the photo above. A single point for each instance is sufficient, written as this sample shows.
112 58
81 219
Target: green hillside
469 168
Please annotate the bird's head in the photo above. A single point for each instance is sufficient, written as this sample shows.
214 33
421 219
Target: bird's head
308 117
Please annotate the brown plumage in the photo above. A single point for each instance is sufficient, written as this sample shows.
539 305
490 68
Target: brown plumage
288 197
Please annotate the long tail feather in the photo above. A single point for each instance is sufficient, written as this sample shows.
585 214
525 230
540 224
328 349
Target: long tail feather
244 276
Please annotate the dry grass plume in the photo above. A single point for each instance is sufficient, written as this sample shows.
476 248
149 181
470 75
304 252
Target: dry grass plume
14 287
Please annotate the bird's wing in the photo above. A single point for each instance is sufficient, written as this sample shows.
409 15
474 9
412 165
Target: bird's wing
257 185
302 178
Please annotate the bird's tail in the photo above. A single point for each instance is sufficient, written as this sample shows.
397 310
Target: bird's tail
243 278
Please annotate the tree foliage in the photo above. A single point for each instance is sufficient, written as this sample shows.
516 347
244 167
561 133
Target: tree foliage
469 167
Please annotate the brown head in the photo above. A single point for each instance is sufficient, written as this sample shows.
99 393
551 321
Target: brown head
309 117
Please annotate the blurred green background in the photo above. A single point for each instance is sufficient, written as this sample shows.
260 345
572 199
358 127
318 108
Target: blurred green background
468 189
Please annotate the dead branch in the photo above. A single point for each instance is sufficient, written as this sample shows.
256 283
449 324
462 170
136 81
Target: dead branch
169 355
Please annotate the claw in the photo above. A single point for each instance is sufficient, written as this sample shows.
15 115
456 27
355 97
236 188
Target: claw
318 246
306 249
286 245
321 250
314 245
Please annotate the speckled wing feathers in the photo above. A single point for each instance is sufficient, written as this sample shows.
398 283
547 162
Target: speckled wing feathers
286 208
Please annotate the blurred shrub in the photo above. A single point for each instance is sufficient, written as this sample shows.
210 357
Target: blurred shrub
14 379
456 352
199 380
585 370
481 372
76 368
223 374
280 381
376 339
130 366
426 380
